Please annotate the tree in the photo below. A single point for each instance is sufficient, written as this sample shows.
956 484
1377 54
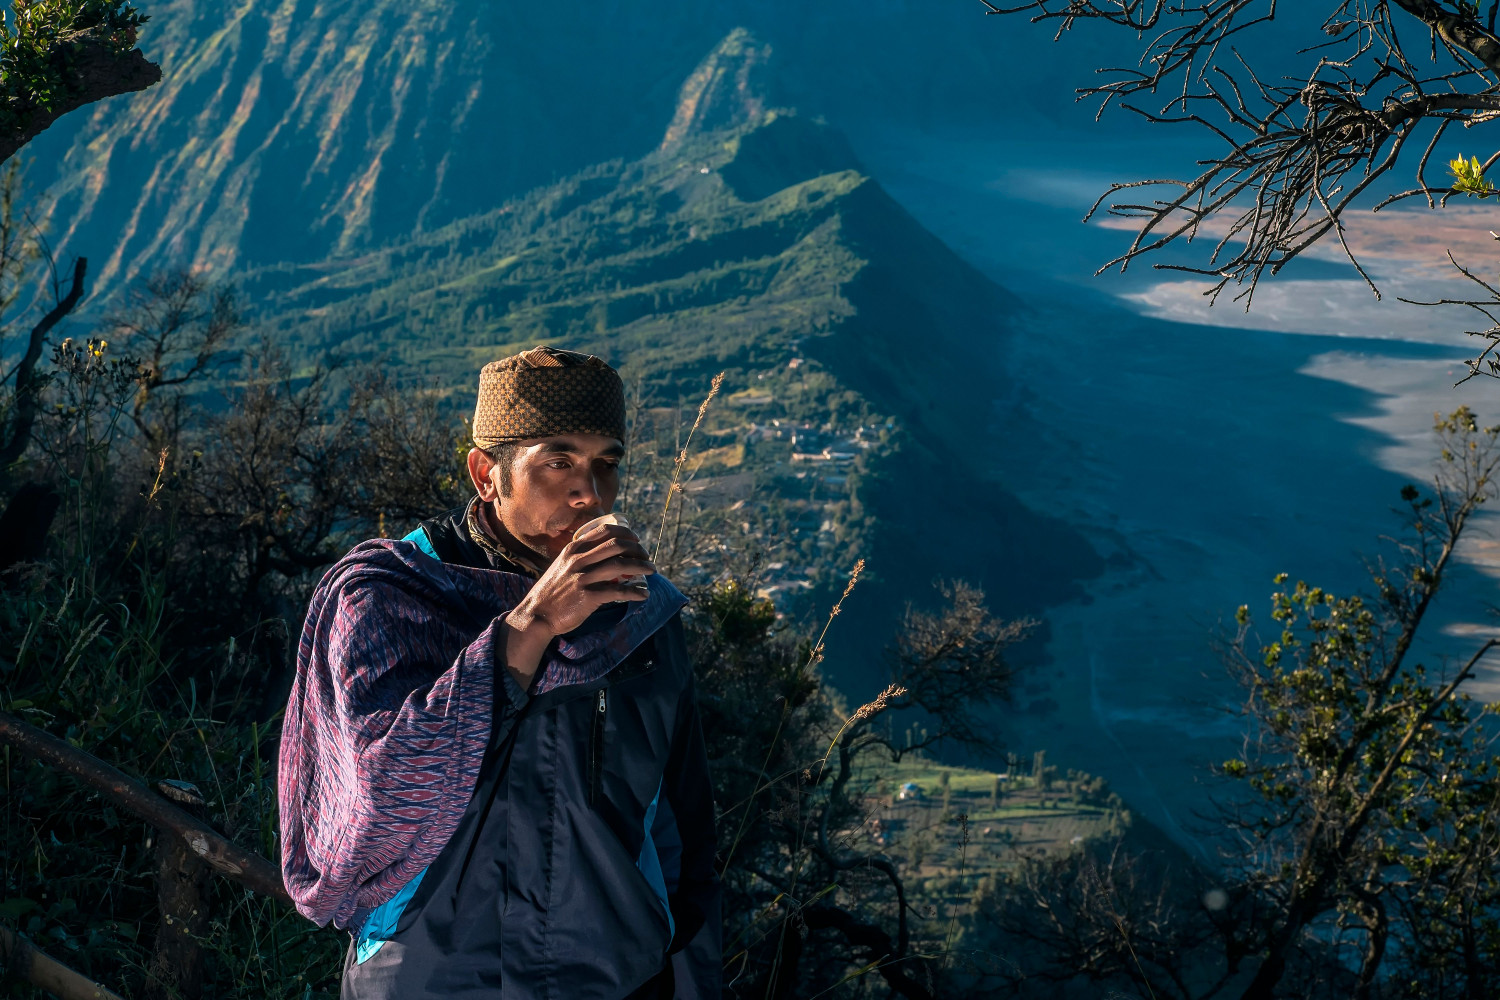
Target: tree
175 324
1376 85
55 56
1376 792
1359 829
58 55
811 902
1110 918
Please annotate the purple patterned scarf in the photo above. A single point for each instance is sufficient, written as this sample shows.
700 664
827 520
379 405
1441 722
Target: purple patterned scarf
390 714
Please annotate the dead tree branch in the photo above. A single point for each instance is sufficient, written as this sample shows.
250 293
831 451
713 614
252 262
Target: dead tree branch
18 434
1298 149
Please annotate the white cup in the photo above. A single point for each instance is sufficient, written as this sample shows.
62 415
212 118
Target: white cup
632 581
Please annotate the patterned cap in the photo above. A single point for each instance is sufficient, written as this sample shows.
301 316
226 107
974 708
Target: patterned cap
544 392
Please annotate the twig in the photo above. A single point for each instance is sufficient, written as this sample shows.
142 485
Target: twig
18 435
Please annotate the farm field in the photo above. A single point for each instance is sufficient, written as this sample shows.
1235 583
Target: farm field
950 828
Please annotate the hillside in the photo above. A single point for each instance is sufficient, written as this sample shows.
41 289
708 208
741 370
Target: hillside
862 354
288 130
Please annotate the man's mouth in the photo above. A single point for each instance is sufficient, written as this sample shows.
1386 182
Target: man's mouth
573 524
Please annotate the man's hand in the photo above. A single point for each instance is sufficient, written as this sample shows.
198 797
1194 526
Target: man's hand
578 582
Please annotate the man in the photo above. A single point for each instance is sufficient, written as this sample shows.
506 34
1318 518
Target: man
492 771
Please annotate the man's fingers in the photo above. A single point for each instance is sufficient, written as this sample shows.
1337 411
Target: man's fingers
600 533
612 568
611 548
611 591
596 540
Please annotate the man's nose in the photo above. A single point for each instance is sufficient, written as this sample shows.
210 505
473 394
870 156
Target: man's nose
586 492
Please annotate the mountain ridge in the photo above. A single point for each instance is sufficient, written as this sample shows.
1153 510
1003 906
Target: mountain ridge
723 92
766 252
291 130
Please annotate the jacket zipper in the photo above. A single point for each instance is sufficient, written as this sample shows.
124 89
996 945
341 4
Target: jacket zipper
596 748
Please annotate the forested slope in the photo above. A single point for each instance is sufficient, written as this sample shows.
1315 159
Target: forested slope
762 250
291 129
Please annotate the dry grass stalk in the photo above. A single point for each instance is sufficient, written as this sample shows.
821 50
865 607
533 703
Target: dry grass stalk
682 455
161 469
863 713
816 656
813 659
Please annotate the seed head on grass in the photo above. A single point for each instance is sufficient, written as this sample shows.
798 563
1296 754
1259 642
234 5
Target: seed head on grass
682 455
871 709
859 567
863 713
161 469
816 656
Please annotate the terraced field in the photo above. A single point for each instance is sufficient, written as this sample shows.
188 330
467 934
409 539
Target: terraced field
955 832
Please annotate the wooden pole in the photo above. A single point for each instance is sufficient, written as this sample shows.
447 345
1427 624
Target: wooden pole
25 960
182 901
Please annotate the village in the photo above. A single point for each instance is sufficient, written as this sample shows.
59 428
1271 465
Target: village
786 482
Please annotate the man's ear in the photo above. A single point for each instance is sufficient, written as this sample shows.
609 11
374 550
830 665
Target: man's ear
480 467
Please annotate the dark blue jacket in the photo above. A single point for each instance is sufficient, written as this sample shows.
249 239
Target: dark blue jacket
583 866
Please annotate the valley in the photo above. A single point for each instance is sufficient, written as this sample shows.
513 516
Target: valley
993 414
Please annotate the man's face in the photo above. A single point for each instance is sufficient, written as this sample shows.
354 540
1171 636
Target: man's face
557 483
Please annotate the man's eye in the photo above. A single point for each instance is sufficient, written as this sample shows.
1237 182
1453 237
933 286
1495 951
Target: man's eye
558 464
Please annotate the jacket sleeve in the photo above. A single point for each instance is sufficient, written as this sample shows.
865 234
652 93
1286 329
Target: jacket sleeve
382 739
697 947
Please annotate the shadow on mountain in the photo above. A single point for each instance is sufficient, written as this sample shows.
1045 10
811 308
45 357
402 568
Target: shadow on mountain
761 250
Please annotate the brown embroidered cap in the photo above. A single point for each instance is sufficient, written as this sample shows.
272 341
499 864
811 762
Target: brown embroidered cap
546 391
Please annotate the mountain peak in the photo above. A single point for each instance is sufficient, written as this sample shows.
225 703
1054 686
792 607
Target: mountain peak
725 91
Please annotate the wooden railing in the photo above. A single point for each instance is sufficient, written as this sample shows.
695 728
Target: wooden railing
189 851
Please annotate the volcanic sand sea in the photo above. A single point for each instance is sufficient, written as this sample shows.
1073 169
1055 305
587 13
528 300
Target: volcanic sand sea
1201 460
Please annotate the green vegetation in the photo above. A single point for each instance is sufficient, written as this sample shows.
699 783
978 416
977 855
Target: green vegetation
729 252
764 252
956 831
57 55
29 40
188 500
144 634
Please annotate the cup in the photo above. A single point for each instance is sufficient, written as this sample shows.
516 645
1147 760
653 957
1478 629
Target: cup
638 580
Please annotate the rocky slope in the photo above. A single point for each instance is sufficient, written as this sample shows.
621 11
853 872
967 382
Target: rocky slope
292 129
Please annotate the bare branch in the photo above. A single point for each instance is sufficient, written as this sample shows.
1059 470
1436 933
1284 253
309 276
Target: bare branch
18 434
1299 151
